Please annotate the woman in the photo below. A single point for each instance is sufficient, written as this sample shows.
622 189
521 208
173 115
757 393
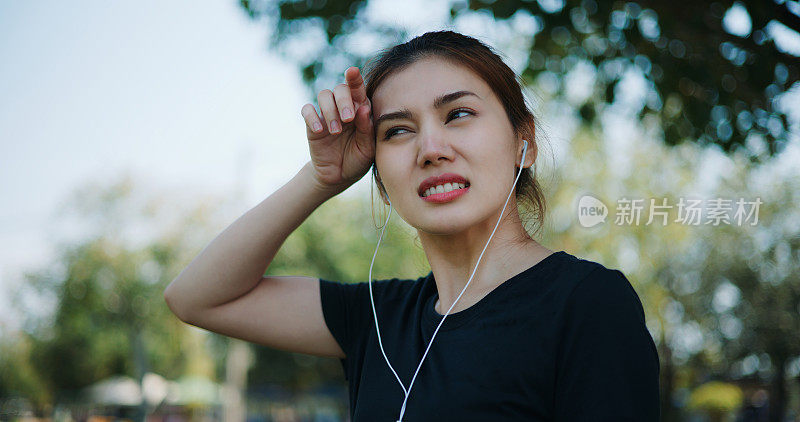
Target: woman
502 328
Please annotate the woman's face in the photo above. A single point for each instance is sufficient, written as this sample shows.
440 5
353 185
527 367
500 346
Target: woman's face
435 117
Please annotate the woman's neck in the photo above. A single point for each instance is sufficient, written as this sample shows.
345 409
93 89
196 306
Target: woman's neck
453 258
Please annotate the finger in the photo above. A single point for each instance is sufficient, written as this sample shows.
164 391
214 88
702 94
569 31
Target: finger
313 121
365 134
329 113
358 90
344 103
363 122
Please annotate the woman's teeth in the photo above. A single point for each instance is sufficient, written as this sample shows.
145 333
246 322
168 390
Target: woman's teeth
447 187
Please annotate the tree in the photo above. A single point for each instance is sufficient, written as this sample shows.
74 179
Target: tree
707 80
19 375
106 288
746 293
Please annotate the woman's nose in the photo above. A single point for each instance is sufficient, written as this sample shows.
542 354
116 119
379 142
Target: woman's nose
433 148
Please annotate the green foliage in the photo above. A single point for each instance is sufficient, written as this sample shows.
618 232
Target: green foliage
107 297
19 374
103 303
703 83
748 295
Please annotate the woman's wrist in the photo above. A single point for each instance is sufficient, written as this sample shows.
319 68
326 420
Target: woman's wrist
320 192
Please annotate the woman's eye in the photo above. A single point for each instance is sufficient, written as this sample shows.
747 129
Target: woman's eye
394 131
391 132
456 112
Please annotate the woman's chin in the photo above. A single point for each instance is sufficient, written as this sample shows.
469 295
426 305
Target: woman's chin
441 229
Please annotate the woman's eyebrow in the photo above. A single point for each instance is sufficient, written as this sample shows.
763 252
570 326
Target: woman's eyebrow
439 102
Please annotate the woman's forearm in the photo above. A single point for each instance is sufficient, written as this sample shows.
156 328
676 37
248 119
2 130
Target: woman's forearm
234 262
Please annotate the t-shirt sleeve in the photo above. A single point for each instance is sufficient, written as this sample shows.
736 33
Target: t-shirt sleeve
607 363
340 304
348 315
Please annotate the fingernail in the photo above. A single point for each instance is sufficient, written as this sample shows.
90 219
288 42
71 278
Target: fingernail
346 113
316 126
335 126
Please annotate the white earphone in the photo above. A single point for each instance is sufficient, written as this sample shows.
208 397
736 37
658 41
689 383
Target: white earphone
372 301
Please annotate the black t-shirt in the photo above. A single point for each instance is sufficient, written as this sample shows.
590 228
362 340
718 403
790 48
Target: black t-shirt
564 340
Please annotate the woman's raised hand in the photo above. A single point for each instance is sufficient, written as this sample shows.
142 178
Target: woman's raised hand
342 142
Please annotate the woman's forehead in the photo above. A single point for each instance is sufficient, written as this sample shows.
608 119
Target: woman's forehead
424 80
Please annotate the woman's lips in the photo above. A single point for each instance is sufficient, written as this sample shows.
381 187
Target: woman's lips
438 198
441 180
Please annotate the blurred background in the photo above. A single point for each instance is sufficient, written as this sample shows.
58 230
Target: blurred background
132 133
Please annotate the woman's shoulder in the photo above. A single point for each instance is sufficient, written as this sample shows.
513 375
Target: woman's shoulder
578 268
574 278
573 270
589 284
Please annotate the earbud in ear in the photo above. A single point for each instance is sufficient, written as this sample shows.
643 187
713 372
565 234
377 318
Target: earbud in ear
524 150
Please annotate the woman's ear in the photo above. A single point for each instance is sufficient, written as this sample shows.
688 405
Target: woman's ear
381 188
530 153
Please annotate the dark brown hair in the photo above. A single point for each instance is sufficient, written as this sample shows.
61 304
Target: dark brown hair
475 55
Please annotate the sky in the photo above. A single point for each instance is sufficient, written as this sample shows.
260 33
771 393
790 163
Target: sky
179 94
182 95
